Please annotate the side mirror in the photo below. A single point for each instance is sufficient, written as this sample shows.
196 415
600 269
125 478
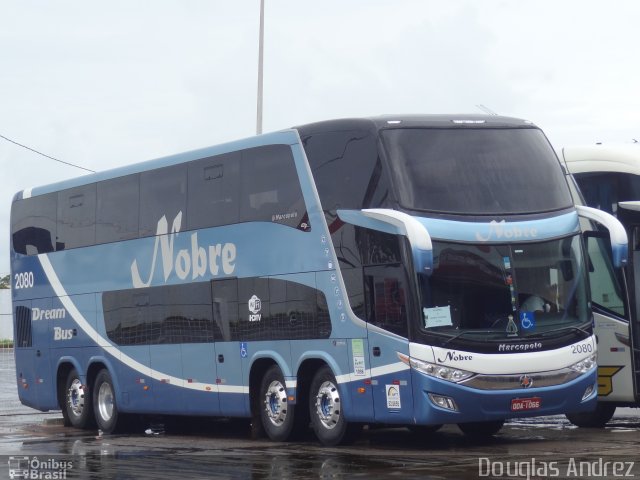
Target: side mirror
399 223
617 233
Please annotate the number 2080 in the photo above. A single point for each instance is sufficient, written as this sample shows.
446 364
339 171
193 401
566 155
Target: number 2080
23 280
582 348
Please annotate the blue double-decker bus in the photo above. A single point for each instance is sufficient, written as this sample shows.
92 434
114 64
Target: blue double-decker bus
410 270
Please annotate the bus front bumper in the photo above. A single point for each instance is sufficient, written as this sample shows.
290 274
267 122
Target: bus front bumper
446 402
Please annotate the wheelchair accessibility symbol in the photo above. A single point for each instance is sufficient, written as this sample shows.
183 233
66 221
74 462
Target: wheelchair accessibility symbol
527 320
243 349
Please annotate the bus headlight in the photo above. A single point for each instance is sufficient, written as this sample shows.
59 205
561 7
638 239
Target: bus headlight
583 366
449 374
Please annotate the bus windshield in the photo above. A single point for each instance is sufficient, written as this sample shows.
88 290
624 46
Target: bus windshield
481 171
498 292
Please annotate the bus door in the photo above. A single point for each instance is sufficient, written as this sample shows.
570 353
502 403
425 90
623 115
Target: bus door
629 215
230 356
200 395
388 304
610 305
186 350
391 243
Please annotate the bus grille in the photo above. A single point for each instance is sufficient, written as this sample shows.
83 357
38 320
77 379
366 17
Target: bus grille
23 327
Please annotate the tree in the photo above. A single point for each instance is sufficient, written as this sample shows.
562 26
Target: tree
5 282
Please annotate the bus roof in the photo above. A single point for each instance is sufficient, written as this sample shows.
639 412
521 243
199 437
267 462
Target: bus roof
283 137
417 121
621 158
290 136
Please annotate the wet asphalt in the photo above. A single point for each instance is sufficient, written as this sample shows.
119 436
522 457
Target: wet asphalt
541 447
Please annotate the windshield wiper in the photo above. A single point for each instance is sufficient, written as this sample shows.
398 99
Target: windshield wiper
461 334
559 329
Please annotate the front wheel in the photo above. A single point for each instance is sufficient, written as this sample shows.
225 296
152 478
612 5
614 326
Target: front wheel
481 429
595 419
325 407
77 410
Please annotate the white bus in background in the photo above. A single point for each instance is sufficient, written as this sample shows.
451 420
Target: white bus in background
609 179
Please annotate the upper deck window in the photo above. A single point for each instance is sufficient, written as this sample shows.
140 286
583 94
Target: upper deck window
269 187
33 224
163 192
76 217
346 169
481 171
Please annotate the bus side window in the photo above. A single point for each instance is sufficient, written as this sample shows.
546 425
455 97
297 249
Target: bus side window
76 217
213 192
254 310
294 310
168 314
183 314
347 170
270 187
33 224
386 290
117 209
225 307
126 316
163 192
378 247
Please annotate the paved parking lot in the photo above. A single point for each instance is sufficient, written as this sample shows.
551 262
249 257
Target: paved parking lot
535 448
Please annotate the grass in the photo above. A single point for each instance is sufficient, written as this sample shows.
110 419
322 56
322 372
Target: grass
6 343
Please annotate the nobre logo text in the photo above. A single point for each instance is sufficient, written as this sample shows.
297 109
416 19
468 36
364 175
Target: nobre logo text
50 314
503 230
196 261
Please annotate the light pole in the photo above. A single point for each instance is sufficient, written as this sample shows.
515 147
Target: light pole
260 64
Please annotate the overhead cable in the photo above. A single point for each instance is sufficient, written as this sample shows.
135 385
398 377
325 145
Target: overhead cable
48 156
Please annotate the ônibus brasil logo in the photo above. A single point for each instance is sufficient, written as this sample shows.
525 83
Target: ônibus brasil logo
196 261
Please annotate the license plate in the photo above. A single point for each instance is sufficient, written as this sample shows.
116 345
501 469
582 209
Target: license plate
522 404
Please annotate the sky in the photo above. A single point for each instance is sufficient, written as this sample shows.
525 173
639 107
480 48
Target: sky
107 84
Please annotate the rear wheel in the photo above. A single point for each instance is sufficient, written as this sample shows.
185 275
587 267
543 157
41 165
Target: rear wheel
325 407
277 416
595 419
77 410
481 429
108 417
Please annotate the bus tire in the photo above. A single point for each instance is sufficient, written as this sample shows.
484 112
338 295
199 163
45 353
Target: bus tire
104 403
481 429
276 414
77 410
595 419
325 408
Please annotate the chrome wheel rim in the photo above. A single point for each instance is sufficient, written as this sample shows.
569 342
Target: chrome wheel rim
275 403
328 405
75 398
105 401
